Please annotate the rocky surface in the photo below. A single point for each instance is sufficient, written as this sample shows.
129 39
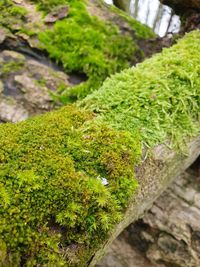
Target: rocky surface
26 86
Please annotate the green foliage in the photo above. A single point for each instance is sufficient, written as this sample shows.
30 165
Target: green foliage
159 99
51 193
11 15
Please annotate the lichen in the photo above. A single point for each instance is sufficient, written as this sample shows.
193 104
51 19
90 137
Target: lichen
159 99
51 191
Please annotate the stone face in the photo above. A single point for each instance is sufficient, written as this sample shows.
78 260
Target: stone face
55 15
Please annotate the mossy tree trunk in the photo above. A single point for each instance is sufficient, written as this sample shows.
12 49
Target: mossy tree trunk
82 174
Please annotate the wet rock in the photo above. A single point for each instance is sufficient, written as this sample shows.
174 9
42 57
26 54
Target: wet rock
34 93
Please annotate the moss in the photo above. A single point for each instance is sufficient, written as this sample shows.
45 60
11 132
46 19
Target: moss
160 98
51 190
12 66
85 44
81 43
54 208
11 15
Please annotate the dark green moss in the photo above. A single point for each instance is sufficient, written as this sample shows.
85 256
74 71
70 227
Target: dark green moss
160 98
51 191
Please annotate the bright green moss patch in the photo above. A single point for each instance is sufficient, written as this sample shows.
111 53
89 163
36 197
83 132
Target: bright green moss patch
91 47
84 44
160 98
51 186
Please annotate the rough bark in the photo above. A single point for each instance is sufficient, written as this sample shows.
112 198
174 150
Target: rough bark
168 234
182 4
155 176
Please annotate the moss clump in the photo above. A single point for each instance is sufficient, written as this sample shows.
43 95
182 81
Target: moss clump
11 15
160 98
85 44
82 43
51 191
11 66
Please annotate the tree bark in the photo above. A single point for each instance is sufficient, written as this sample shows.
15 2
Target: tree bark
156 176
182 6
170 232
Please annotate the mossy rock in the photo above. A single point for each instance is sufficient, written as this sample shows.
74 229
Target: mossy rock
67 177
82 41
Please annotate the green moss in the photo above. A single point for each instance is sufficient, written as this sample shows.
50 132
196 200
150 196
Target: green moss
11 15
12 66
51 193
83 43
160 98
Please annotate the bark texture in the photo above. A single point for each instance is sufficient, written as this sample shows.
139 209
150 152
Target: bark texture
182 6
168 235
183 3
170 232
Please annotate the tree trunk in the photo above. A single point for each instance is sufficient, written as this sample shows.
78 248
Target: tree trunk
122 4
27 76
182 6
